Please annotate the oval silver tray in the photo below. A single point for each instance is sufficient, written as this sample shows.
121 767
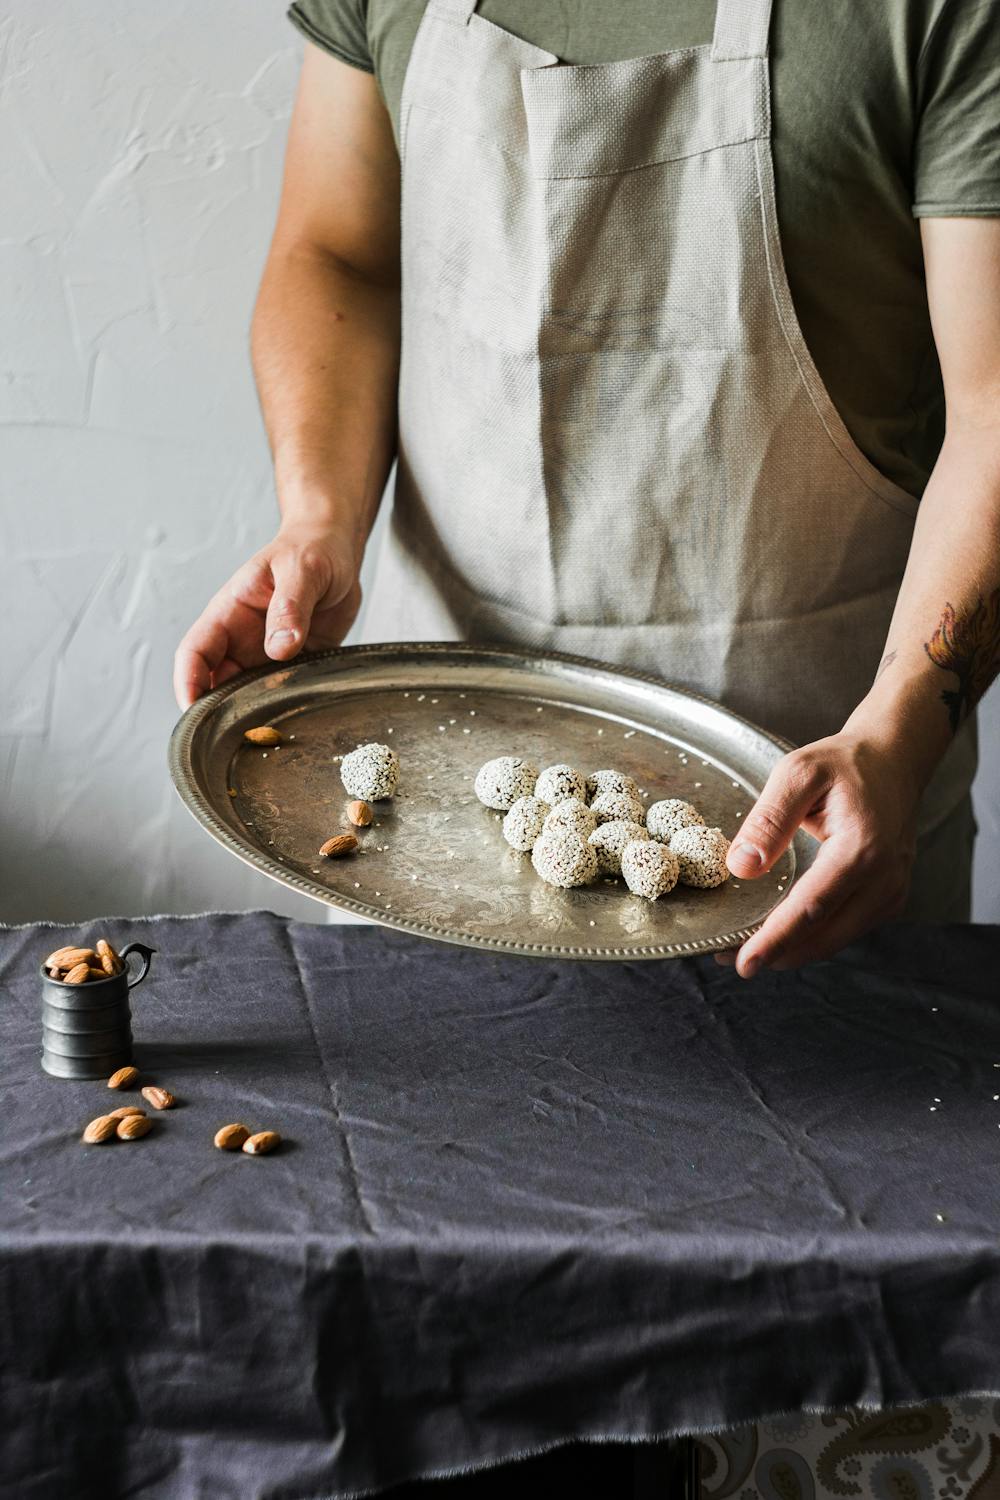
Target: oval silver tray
434 860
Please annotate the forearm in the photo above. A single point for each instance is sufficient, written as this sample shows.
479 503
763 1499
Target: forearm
943 646
325 347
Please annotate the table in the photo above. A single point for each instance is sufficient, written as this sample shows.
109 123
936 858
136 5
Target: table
519 1203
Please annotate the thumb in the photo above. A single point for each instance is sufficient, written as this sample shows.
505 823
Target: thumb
299 584
775 817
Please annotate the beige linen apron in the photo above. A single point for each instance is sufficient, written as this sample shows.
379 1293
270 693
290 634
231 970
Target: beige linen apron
612 438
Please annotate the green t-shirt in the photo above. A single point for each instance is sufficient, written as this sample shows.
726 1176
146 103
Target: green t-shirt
883 111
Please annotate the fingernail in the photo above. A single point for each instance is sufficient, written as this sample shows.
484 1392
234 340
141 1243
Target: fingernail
748 852
279 637
751 968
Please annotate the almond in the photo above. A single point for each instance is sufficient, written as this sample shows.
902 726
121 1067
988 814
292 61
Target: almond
67 958
261 1143
134 1127
55 972
124 1078
157 1097
231 1137
110 962
265 735
126 1109
79 974
93 973
100 1130
341 843
360 814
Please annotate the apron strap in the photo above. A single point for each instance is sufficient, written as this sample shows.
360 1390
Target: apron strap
458 11
741 29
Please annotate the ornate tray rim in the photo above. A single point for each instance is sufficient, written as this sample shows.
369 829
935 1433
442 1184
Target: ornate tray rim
185 784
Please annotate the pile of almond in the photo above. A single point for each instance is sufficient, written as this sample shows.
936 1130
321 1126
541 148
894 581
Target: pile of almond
84 965
131 1123
128 1123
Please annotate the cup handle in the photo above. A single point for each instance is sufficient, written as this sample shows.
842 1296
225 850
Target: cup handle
147 954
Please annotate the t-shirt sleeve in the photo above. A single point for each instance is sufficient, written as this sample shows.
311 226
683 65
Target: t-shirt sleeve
956 159
338 26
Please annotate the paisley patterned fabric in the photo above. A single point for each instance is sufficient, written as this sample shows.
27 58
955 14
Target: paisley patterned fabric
949 1450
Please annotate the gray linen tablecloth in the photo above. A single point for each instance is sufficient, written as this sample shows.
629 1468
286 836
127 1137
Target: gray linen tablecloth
518 1203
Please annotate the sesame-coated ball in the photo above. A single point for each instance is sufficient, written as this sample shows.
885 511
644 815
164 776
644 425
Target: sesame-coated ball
701 853
564 858
501 781
610 839
370 772
613 807
664 818
571 813
650 869
610 781
558 782
523 824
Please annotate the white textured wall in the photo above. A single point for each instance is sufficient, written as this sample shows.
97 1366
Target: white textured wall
140 156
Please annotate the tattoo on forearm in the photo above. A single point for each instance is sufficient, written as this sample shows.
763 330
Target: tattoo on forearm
887 661
967 644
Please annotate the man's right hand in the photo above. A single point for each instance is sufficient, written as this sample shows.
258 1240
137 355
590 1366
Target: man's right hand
299 592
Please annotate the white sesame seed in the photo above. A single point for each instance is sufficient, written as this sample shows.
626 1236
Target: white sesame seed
434 700
933 1109
940 1218
466 731
357 885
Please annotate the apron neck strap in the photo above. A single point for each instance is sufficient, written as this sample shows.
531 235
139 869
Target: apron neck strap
456 10
741 29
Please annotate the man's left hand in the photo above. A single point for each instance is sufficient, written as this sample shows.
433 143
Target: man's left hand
859 798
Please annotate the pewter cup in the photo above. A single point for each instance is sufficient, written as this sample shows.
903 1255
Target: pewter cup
87 1028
